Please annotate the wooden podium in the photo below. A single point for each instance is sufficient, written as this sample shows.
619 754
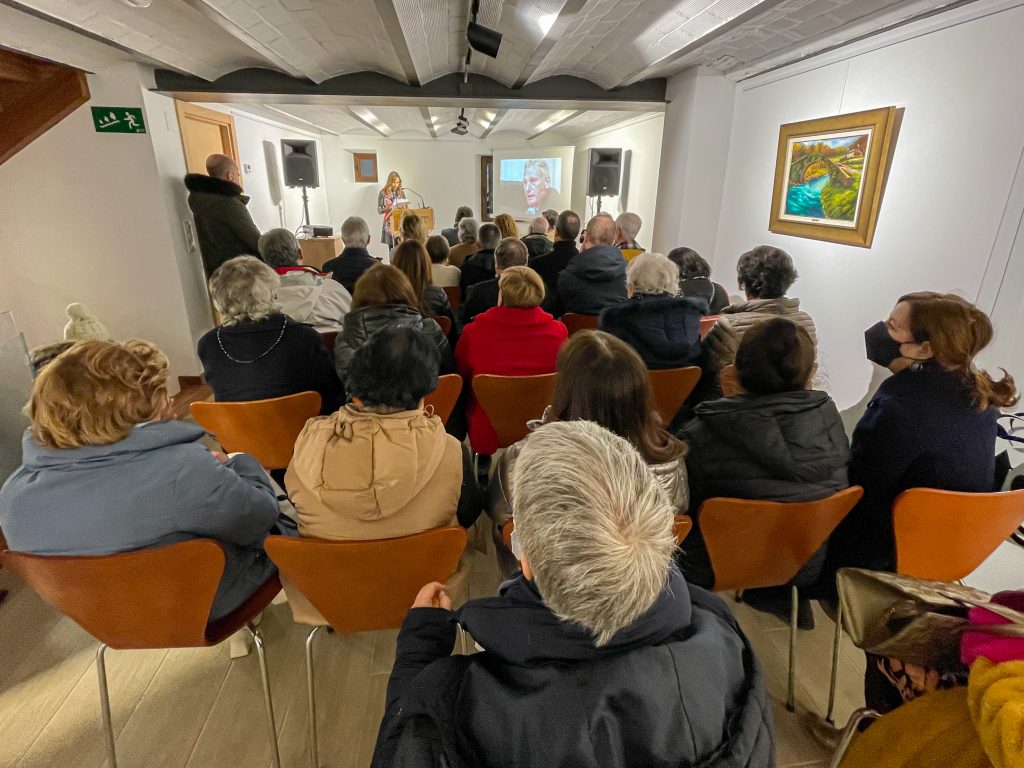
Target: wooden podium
395 219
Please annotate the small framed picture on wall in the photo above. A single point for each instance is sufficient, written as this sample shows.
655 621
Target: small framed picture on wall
365 166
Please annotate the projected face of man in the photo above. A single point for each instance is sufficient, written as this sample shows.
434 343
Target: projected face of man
536 183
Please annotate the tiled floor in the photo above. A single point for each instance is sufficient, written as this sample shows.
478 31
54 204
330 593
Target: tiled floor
199 709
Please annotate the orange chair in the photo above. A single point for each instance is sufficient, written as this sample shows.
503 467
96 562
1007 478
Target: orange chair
729 381
682 526
706 324
942 536
445 397
150 598
671 387
755 544
328 338
454 296
363 586
266 429
444 322
576 322
511 401
631 253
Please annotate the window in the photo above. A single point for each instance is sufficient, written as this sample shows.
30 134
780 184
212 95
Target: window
365 166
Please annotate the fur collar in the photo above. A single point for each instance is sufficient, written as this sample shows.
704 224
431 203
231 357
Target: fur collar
198 182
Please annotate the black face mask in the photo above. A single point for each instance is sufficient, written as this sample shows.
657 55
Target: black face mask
881 347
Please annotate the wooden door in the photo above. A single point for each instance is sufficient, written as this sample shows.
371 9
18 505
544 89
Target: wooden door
205 132
486 187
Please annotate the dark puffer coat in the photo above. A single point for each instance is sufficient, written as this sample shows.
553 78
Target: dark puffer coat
224 226
362 323
592 280
680 687
665 330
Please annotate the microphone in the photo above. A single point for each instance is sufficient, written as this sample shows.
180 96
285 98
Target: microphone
410 189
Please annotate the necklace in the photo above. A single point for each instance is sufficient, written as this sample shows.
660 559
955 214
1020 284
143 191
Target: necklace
280 336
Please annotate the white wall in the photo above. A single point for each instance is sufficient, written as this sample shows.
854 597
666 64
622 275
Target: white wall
84 218
961 138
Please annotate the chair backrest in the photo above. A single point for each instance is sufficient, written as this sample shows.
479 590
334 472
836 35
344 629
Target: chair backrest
576 322
362 586
511 401
946 535
266 429
445 323
764 543
631 253
444 398
328 338
150 598
706 324
454 295
671 387
682 526
729 381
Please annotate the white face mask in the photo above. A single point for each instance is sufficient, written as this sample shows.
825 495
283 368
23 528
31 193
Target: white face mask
517 547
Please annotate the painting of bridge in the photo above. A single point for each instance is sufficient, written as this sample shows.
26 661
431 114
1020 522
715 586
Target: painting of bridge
824 177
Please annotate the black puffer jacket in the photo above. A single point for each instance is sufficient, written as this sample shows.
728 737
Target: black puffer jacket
362 323
786 447
537 245
665 330
681 687
476 269
592 280
224 226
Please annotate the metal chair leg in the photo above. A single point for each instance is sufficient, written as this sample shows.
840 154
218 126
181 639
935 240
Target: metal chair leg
108 728
849 732
830 714
793 613
314 752
257 638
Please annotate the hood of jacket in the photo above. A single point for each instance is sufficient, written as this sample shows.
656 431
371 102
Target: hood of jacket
599 264
665 330
143 438
367 465
360 324
300 292
792 435
200 185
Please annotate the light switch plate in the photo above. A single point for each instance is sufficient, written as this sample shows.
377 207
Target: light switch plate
190 235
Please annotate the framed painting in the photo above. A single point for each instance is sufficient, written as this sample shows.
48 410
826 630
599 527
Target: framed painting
830 174
364 166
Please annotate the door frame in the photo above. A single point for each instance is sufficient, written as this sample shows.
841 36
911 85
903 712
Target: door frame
226 123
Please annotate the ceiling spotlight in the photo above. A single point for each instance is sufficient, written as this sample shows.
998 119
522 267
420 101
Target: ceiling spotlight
482 39
461 124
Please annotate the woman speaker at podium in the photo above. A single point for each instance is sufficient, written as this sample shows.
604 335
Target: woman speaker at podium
387 200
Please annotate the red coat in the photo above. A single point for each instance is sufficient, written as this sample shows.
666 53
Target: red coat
505 341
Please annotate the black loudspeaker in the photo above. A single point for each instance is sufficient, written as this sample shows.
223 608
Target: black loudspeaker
298 158
605 171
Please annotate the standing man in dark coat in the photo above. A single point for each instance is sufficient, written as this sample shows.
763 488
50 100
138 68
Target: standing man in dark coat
223 224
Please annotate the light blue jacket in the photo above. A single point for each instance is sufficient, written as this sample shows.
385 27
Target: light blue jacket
155 487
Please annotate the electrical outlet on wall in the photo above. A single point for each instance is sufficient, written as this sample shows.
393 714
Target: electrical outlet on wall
246 167
190 235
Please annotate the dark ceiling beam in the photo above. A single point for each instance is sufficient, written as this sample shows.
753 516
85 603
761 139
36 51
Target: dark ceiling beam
388 15
493 124
554 125
222 21
425 112
566 17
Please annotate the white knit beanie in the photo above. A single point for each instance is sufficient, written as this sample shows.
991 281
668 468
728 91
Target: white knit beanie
83 325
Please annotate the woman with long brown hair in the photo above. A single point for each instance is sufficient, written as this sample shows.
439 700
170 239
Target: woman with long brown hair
384 297
412 259
507 225
387 198
600 379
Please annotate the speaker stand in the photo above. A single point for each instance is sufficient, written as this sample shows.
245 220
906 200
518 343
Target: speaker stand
598 203
305 206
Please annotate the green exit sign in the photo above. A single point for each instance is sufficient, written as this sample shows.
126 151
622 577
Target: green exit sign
118 120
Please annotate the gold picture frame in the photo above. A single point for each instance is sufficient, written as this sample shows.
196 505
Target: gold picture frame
830 175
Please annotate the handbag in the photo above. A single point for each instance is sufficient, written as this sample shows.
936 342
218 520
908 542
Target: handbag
915 620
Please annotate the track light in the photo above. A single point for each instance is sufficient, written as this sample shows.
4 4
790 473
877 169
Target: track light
461 124
483 39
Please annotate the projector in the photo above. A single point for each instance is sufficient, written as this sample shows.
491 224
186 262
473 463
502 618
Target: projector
461 124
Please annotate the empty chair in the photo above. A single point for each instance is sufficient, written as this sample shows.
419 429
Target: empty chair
265 429
511 401
363 586
671 387
445 397
577 322
151 598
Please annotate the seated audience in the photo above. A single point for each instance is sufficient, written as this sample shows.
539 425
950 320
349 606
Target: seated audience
506 225
551 215
765 274
482 296
305 295
43 355
380 467
550 266
515 338
778 441
104 471
468 245
596 278
412 228
411 258
603 380
598 654
451 234
480 266
354 259
695 279
384 297
662 327
627 227
537 241
442 273
257 352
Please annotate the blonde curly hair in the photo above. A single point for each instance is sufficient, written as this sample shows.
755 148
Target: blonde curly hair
95 392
